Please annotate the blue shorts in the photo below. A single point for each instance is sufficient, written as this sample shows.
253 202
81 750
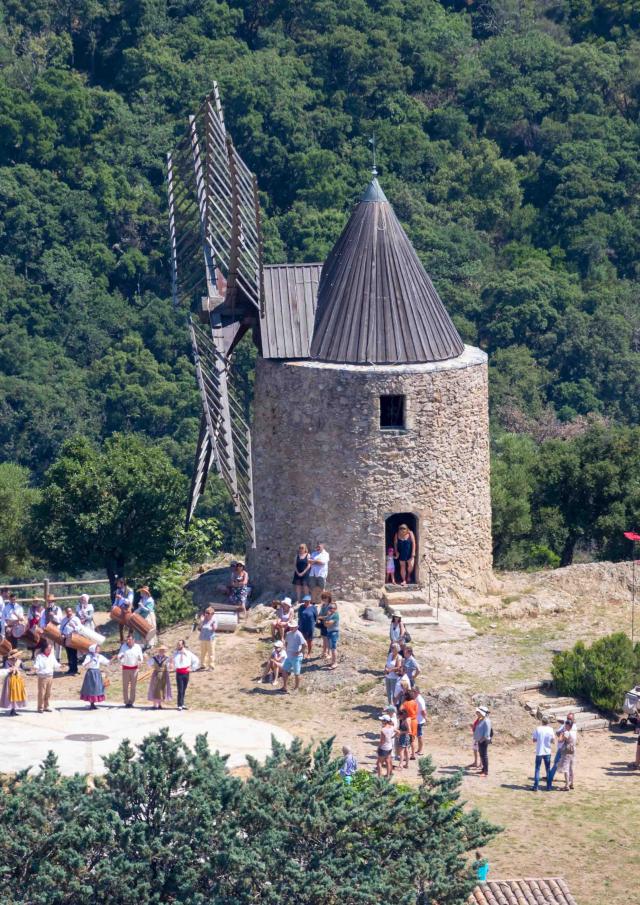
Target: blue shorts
333 639
293 665
420 728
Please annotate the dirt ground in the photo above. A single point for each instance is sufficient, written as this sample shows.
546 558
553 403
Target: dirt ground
517 628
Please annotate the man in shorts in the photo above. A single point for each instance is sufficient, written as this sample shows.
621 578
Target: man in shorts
319 570
422 716
296 647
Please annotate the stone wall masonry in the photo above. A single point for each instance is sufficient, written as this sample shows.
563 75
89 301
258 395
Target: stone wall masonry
325 471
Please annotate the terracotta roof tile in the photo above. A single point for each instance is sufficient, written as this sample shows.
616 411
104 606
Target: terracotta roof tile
528 891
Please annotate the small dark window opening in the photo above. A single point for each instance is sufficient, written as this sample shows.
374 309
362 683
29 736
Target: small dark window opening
392 411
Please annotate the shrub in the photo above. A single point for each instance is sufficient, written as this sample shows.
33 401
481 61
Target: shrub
173 603
601 673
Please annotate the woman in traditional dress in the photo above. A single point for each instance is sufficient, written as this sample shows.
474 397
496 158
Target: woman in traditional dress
160 684
85 612
93 684
14 692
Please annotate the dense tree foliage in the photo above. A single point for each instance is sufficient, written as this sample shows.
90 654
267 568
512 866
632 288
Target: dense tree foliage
167 824
508 139
116 509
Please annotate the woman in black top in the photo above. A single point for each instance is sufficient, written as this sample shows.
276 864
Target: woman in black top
301 573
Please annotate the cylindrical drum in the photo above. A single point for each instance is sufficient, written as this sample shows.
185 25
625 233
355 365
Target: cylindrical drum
33 636
93 636
139 623
227 622
119 615
5 647
78 642
17 630
53 633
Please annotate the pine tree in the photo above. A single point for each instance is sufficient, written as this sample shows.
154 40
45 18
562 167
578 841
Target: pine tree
166 824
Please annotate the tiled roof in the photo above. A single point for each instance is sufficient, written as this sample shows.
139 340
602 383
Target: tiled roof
376 303
548 891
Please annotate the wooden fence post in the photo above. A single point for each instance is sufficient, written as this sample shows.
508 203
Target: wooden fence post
46 590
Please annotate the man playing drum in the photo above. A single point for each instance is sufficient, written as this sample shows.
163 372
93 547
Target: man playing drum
131 658
68 626
12 616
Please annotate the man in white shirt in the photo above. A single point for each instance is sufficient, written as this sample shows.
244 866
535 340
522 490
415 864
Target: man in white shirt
131 658
317 578
12 614
46 664
68 626
543 738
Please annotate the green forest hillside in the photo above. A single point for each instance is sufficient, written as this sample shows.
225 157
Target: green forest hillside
508 135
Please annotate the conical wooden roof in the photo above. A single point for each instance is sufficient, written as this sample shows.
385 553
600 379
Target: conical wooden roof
376 303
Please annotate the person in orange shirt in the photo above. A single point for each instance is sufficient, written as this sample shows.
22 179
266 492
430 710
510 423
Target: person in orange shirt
409 708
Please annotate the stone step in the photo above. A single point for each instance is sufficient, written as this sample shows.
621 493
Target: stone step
398 598
593 724
410 609
419 620
530 685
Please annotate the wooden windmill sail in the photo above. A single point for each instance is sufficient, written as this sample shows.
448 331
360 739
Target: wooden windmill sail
216 251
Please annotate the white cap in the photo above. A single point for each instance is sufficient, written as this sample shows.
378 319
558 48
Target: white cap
286 600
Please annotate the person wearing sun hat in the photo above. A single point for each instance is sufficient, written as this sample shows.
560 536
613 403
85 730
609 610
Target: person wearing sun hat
482 734
160 683
385 745
273 668
147 609
14 691
93 684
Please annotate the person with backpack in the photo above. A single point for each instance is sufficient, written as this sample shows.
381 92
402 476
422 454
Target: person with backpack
568 741
483 734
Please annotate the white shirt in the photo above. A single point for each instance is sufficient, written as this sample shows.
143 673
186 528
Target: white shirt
94 661
12 612
130 656
69 625
46 665
319 564
294 643
124 595
184 659
543 736
85 611
422 710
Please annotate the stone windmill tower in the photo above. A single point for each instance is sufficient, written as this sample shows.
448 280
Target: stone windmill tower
369 411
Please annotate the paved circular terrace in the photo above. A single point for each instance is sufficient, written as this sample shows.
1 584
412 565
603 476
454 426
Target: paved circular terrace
80 738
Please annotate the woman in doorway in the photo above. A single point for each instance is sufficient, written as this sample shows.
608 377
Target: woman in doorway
404 547
301 572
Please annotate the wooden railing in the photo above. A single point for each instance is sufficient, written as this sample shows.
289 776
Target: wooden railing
47 588
433 586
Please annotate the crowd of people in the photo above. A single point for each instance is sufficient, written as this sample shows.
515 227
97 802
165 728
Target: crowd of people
295 628
135 651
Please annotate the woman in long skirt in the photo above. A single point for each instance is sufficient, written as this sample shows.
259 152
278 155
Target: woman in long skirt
93 684
14 692
160 683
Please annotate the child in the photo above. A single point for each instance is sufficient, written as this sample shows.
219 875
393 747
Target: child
391 567
350 765
404 741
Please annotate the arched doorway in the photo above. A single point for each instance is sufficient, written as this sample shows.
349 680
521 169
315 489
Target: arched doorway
391 525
